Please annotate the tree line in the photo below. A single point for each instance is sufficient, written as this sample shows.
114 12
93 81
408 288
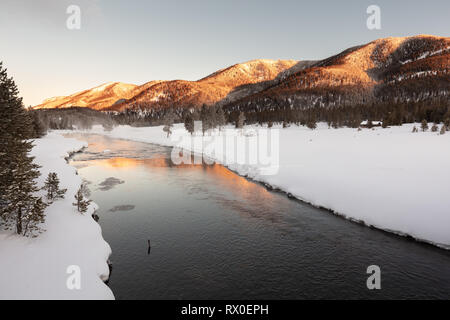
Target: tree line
21 208
390 112
300 110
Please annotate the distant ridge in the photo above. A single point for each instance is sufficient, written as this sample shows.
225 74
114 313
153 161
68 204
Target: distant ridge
211 89
400 68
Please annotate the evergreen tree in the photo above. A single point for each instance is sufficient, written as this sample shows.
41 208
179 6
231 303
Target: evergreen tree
240 120
189 123
212 117
443 129
19 208
208 118
81 203
39 129
52 187
447 122
424 125
169 119
434 128
311 123
34 218
220 118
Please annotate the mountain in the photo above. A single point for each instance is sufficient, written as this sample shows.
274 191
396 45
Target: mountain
223 86
97 98
227 84
401 69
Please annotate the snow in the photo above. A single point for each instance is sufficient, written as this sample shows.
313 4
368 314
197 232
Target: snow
36 268
414 75
375 123
158 96
426 55
102 87
390 178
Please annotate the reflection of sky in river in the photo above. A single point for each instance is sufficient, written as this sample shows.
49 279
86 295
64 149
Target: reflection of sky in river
227 189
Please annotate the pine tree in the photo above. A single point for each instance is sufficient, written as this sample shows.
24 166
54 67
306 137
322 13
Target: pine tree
39 129
212 117
169 119
205 117
52 187
189 123
81 203
447 122
443 129
240 120
311 124
424 125
18 204
434 128
34 218
220 118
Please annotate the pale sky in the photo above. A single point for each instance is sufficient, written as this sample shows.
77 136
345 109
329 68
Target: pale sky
137 41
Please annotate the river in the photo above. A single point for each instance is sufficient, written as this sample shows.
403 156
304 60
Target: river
216 235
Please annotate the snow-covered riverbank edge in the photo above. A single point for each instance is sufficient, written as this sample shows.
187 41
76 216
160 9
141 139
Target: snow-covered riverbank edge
37 268
390 179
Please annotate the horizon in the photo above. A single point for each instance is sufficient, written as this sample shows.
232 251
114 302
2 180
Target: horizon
146 44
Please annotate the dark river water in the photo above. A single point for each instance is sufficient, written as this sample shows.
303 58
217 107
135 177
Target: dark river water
216 235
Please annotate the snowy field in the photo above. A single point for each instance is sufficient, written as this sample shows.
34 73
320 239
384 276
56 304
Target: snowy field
391 178
36 268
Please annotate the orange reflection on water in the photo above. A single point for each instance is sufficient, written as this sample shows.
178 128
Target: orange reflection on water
222 176
124 163
235 182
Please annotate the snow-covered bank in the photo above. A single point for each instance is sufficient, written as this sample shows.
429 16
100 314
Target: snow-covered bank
391 178
37 268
